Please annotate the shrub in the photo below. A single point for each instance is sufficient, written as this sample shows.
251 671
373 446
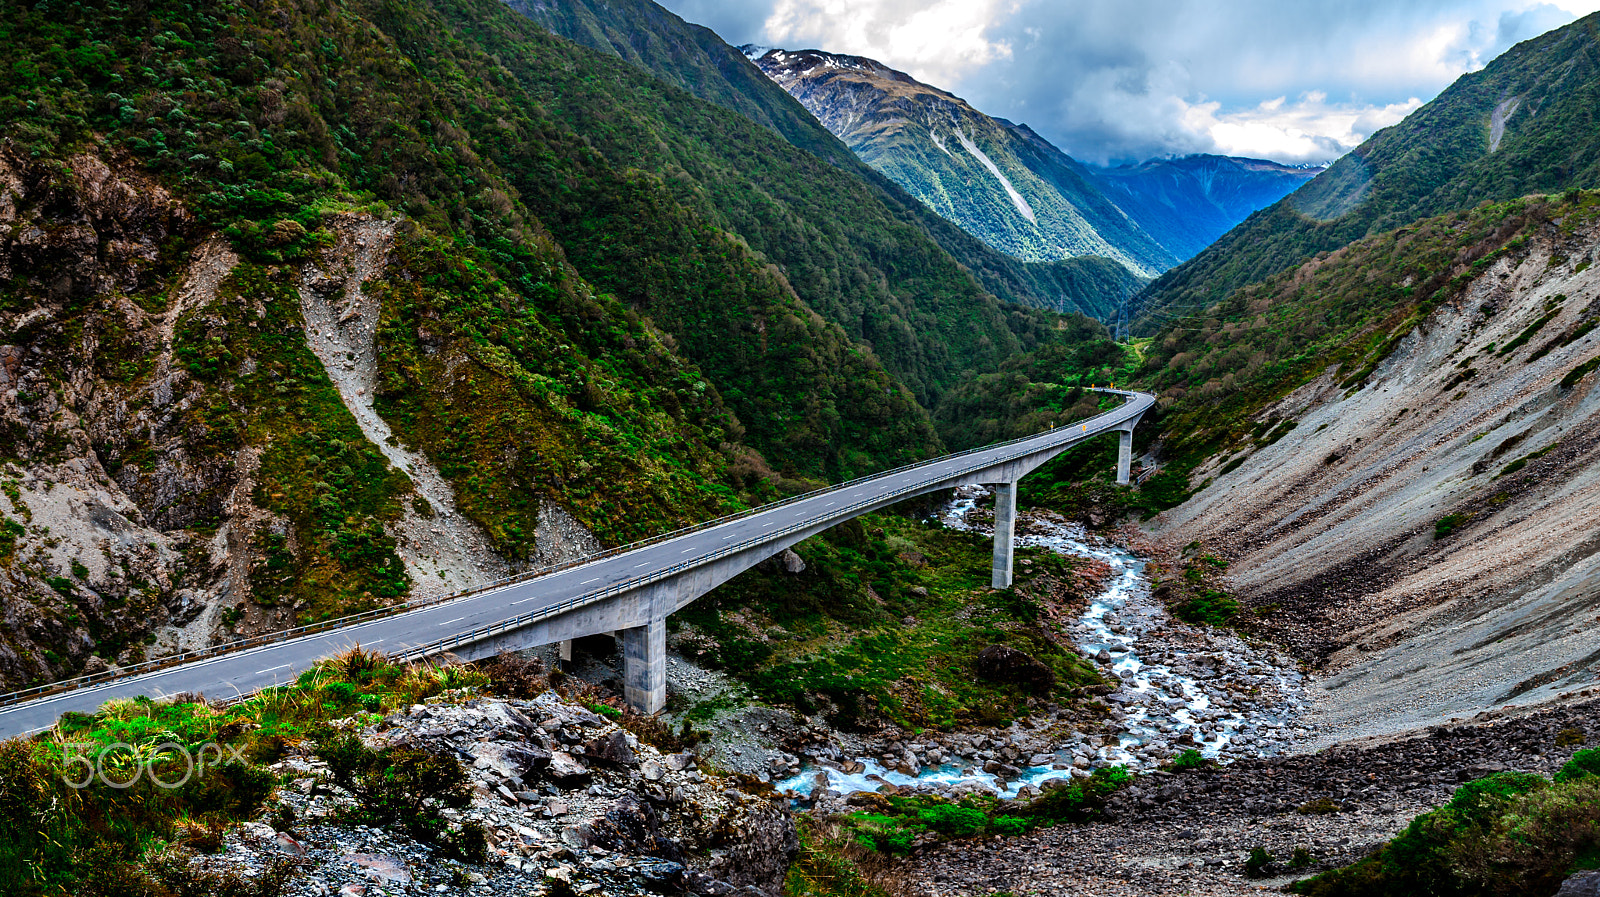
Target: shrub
358 666
1211 607
1256 866
952 820
1189 759
516 676
1570 737
1009 825
1583 764
406 786
1448 524
1080 800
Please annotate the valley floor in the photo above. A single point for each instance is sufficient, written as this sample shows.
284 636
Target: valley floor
1190 833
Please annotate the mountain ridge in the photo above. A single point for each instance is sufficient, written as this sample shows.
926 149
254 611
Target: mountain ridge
1022 197
694 59
1525 123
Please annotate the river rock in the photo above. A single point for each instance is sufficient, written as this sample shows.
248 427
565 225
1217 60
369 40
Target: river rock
565 770
1583 884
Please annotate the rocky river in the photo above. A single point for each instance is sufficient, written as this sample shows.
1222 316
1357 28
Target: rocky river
1179 687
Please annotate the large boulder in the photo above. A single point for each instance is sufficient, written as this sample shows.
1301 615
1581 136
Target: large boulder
630 826
756 847
611 750
565 770
1583 884
997 663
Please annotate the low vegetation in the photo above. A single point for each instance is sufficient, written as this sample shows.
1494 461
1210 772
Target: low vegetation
885 625
1189 583
1509 834
895 824
71 825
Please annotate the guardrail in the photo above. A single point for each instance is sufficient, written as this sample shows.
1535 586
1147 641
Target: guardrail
265 639
552 610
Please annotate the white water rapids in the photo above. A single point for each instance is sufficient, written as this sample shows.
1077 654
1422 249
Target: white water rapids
1168 702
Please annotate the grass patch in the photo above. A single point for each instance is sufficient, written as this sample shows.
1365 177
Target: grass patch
894 824
885 624
1448 524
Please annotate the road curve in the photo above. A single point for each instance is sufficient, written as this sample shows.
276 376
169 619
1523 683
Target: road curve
250 670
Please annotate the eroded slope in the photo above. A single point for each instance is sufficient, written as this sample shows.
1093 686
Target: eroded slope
1431 532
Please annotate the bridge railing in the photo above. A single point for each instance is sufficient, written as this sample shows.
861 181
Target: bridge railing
285 635
480 633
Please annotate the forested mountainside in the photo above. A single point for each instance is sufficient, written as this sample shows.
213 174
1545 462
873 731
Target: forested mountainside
998 181
310 308
1187 202
696 60
1526 123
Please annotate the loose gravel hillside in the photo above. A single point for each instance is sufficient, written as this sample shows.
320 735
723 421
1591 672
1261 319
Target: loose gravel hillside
1430 537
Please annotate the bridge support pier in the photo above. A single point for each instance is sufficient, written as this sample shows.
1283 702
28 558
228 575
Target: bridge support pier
1005 530
644 666
1124 455
564 658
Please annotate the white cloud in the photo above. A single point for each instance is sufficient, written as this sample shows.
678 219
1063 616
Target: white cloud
1308 130
937 42
1128 79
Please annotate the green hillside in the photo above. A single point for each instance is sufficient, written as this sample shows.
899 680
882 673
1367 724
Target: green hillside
1216 371
696 60
1527 123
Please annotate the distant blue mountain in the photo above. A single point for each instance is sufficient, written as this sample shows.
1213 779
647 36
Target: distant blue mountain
1188 202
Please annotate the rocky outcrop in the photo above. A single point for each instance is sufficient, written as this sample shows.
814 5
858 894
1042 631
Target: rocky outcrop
635 821
138 519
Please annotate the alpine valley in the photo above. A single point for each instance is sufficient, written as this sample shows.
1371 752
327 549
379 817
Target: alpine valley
315 309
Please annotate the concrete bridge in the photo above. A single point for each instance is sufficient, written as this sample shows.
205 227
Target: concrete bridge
627 591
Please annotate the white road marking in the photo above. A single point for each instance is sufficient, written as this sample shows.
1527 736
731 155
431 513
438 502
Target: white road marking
270 669
686 551
456 620
587 581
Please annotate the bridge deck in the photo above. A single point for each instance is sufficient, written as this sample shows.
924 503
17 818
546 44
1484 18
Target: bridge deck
250 670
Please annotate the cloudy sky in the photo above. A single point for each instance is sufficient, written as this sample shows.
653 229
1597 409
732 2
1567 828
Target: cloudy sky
1124 80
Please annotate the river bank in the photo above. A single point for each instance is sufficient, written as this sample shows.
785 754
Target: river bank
1176 687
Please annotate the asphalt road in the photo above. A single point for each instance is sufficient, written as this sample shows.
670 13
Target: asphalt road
248 671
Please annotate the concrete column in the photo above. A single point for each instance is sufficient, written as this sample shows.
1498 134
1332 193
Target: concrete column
565 662
1124 456
644 666
1005 530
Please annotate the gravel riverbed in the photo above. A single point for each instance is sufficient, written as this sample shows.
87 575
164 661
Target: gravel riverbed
1179 687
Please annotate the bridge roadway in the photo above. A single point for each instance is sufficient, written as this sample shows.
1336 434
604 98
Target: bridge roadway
631 592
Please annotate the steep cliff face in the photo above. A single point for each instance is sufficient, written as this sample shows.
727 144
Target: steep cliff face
999 181
1427 525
